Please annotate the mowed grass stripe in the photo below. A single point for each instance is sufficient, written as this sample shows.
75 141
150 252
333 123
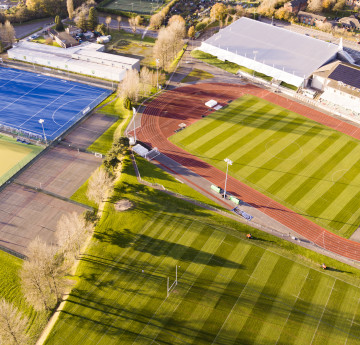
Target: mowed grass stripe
283 304
209 286
239 140
300 166
168 306
265 300
139 306
354 332
314 309
211 122
268 137
74 305
341 218
242 151
291 155
247 298
227 131
328 165
91 309
337 318
228 299
324 202
270 160
124 282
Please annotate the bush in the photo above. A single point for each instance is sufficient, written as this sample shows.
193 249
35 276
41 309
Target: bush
102 29
200 26
91 217
59 25
127 103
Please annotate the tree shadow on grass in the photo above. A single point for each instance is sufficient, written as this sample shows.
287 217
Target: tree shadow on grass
157 247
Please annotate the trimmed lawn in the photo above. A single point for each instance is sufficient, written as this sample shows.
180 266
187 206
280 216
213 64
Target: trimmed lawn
230 290
300 163
196 75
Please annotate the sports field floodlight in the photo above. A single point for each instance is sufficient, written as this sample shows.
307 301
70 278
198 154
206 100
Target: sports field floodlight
228 162
42 125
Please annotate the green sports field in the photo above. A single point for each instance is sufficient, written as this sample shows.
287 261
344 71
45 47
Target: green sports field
230 290
136 6
305 166
13 156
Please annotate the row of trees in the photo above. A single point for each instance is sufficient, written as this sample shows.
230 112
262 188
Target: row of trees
136 85
169 41
7 35
44 274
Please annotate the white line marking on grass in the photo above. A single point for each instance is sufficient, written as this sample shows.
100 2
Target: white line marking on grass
134 295
298 154
322 314
244 288
38 85
334 177
174 310
352 321
54 100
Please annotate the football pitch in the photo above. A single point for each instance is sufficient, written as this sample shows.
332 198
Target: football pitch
302 164
230 291
136 6
13 156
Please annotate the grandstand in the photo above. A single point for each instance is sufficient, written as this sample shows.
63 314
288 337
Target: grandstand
281 54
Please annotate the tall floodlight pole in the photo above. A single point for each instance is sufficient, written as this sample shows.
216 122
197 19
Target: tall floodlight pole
134 114
228 162
255 52
42 125
157 73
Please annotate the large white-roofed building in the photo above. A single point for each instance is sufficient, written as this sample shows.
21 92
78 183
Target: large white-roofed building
87 58
279 53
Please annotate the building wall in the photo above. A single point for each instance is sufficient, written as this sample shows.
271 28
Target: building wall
345 100
318 82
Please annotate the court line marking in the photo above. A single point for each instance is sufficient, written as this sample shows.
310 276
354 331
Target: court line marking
54 100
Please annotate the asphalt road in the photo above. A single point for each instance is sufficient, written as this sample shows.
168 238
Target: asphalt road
24 30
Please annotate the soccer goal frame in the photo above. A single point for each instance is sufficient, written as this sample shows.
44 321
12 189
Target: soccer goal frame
169 288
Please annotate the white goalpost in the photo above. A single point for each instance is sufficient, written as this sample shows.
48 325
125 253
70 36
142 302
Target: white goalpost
169 288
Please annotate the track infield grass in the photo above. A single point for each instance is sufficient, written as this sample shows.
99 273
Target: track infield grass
230 290
300 163
14 155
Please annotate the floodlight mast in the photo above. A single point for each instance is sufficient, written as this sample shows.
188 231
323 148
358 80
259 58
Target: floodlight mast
228 162
42 125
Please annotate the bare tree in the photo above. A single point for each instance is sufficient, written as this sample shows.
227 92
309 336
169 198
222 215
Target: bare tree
156 20
7 33
71 232
118 18
176 18
163 48
100 181
132 23
315 5
130 86
43 275
108 22
13 325
70 8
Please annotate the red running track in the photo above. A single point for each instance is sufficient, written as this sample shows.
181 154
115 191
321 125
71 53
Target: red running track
186 104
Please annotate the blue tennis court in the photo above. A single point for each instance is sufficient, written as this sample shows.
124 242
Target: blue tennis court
27 97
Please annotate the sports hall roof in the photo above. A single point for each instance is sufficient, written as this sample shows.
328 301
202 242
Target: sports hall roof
273 46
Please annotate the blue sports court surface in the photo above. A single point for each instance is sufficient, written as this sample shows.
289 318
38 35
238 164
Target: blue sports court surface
27 97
